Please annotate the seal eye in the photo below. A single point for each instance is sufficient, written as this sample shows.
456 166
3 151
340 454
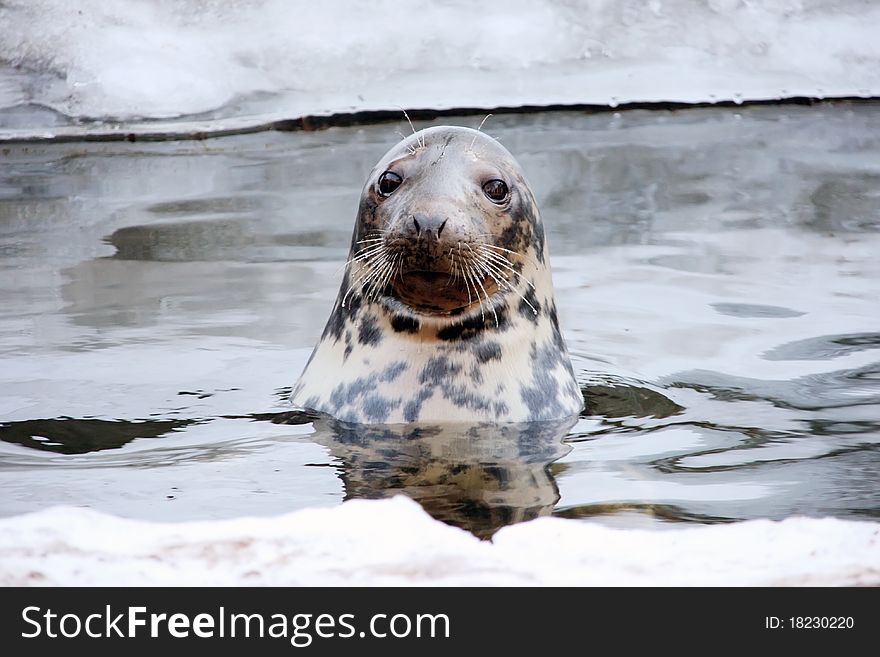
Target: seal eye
388 182
496 190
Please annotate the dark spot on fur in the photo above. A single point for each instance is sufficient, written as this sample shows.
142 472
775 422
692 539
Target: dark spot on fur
377 408
500 409
557 333
340 316
463 397
543 396
538 234
513 237
526 211
443 149
404 324
529 303
369 332
553 318
438 370
367 221
488 351
471 327
413 407
358 401
349 346
335 324
392 371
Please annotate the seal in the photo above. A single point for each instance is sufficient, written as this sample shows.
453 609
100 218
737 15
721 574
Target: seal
446 311
479 477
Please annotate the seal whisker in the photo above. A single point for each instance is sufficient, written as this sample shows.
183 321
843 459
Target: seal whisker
419 136
370 244
380 281
501 248
362 280
470 274
392 269
504 274
375 232
510 287
452 261
497 263
367 253
480 275
467 285
412 151
505 285
368 256
355 286
370 249
504 262
515 253
479 129
363 254
372 236
369 288
374 275
464 278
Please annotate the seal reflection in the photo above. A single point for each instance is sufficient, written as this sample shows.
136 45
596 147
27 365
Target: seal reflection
479 477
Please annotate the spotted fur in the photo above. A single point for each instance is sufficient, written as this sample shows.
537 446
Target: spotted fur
500 358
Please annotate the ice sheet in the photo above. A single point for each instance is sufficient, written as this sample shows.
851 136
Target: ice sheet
394 542
132 59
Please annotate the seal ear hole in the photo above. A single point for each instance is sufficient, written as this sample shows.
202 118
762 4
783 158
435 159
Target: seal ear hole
496 190
388 182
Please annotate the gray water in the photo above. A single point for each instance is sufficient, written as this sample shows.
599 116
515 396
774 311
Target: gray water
717 281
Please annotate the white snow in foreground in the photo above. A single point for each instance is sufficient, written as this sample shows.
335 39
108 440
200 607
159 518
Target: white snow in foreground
130 59
394 542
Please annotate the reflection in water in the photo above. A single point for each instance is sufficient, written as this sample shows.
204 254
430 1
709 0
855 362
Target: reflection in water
859 386
667 512
825 347
477 477
615 398
67 435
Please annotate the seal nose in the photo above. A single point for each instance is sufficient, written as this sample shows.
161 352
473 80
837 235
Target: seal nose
427 227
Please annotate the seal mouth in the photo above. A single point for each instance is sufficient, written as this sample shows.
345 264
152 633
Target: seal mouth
427 277
439 292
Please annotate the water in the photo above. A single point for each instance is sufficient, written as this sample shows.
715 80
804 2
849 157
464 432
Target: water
717 281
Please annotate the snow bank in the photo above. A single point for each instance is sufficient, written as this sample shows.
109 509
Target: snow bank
394 542
132 59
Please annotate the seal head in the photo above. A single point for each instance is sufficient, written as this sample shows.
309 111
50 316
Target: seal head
446 310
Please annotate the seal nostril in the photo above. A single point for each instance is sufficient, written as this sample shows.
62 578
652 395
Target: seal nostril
440 230
418 227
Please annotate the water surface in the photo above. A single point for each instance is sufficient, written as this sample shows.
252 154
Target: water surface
717 281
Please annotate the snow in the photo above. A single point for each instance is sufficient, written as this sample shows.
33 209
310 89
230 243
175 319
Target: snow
125 60
251 62
395 543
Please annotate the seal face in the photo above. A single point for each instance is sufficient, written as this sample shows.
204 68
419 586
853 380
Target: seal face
446 310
